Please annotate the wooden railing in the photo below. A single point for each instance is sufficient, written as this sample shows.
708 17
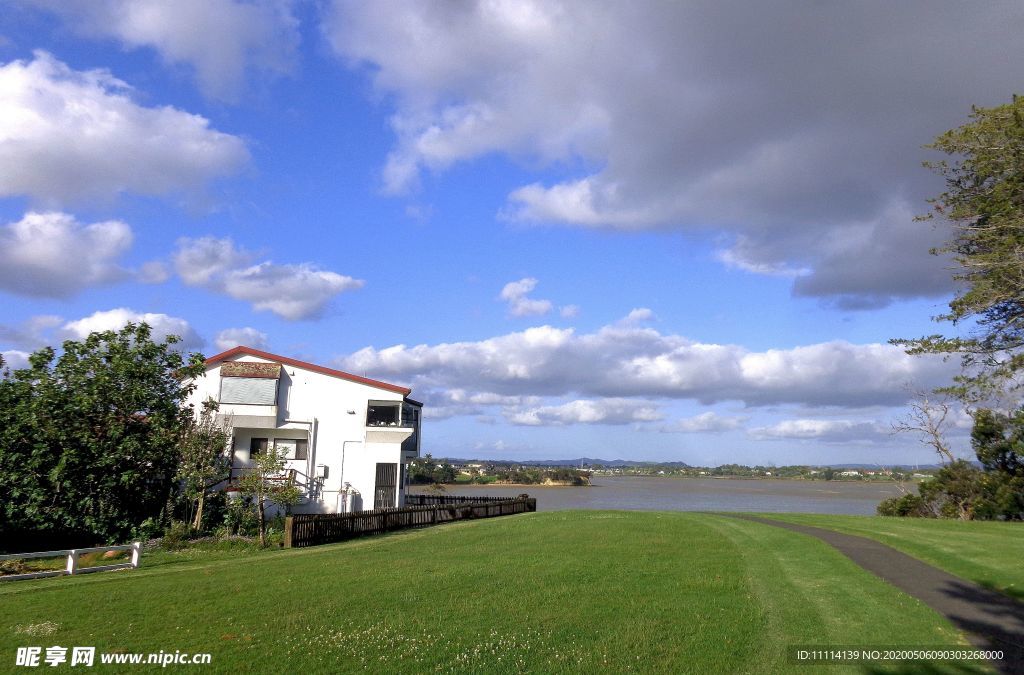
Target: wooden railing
325 528
425 500
71 562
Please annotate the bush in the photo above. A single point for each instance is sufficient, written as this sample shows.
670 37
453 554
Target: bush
240 519
176 536
905 505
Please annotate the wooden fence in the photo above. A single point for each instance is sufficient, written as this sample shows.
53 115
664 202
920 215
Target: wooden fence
449 500
71 561
325 528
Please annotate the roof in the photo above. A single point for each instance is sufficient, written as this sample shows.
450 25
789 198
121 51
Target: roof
236 351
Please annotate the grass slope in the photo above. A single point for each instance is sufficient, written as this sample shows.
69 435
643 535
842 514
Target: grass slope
548 592
989 553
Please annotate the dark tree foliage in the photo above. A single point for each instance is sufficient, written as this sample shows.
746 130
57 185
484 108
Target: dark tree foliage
998 441
88 439
427 471
984 202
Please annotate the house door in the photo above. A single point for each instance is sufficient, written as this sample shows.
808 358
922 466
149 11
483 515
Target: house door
385 491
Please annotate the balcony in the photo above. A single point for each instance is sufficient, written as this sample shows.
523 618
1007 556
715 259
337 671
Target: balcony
387 433
384 423
248 415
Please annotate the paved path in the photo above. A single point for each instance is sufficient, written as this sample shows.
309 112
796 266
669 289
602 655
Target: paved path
991 620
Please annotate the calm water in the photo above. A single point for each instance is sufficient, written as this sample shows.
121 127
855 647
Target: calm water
699 494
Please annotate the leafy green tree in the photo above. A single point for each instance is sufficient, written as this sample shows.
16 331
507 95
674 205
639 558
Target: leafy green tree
984 202
268 484
204 459
998 441
88 438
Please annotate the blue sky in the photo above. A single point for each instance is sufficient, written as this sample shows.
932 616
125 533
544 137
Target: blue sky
654 231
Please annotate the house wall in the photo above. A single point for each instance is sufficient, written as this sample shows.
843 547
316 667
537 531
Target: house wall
331 413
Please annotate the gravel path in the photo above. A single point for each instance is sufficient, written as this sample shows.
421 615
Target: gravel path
991 620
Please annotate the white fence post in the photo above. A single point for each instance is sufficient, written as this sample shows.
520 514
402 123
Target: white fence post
72 562
136 554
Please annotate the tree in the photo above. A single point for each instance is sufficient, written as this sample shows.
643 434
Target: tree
266 484
204 461
88 438
998 441
984 202
928 418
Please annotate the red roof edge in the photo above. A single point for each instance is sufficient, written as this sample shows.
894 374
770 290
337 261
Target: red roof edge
235 351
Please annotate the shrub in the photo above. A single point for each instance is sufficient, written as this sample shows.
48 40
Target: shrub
176 536
908 505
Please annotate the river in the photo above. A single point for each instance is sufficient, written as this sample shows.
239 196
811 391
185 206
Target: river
698 494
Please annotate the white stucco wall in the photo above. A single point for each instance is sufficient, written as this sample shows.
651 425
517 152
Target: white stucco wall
334 409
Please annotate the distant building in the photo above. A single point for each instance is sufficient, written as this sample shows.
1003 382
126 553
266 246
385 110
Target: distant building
348 440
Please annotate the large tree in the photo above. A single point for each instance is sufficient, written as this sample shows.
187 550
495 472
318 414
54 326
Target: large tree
984 202
88 438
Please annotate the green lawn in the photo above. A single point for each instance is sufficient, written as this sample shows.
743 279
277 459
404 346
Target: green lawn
547 592
989 553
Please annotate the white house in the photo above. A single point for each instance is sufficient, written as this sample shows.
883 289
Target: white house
348 439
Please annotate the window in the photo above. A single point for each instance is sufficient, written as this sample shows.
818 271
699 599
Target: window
382 415
248 390
258 446
301 449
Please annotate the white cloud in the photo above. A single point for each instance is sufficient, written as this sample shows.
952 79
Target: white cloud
708 422
14 359
636 317
233 337
515 294
115 319
622 361
53 255
569 311
291 291
597 411
220 39
204 261
68 135
827 431
447 403
802 138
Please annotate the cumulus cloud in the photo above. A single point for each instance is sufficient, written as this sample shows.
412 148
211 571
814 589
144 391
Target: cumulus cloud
801 139
220 39
14 359
825 431
291 291
53 255
446 403
708 422
515 294
595 411
623 361
115 319
68 135
233 337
